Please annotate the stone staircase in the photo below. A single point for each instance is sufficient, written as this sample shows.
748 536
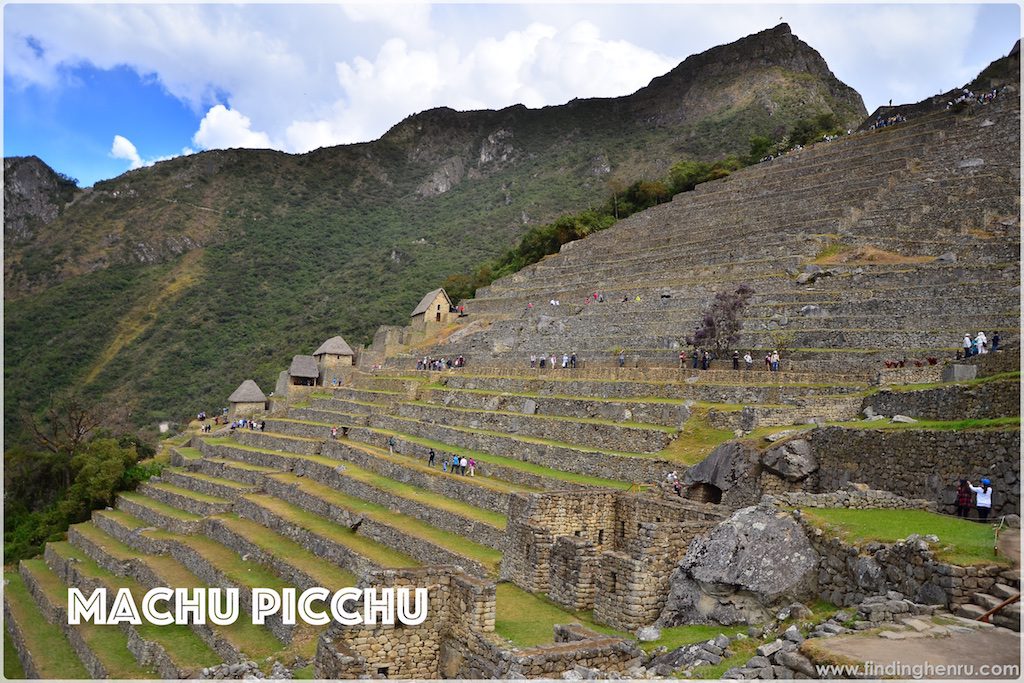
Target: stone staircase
991 597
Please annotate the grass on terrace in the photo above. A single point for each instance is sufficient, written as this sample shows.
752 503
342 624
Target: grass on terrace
961 542
52 652
557 418
511 463
527 619
108 643
12 665
996 423
488 557
368 548
256 641
188 452
998 377
156 505
696 440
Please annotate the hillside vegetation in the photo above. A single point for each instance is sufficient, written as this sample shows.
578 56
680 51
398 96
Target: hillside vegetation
165 287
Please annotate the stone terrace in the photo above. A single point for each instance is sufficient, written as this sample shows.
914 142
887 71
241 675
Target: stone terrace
932 205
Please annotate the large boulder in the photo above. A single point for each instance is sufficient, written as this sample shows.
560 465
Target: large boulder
746 568
792 460
725 467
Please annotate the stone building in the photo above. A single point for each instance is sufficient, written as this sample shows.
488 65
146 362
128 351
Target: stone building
247 399
433 310
304 371
608 551
334 359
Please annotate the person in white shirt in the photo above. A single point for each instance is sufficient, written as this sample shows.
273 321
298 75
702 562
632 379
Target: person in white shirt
983 498
967 345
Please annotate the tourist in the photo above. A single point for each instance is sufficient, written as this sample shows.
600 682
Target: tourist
768 361
430 458
705 362
464 463
968 345
984 498
565 361
672 477
391 445
472 467
444 464
533 360
554 361
543 362
981 342
775 361
572 360
995 342
682 359
334 432
678 486
696 357
735 360
963 499
622 359
748 361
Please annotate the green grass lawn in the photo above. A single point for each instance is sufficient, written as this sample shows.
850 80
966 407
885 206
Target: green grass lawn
998 377
696 440
996 423
960 542
12 665
53 654
528 620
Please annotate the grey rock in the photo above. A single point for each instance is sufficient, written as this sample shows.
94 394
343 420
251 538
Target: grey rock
529 407
813 311
806 278
648 633
722 641
768 649
793 635
970 163
757 662
778 436
876 418
902 418
948 257
797 662
792 460
742 570
1012 521
959 372
724 467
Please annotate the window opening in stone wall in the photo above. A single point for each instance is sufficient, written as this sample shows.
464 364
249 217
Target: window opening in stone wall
600 536
382 671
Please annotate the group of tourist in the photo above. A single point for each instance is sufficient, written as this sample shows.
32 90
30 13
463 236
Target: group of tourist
982 499
966 95
426 363
673 481
979 345
464 466
702 359
246 423
883 121
569 361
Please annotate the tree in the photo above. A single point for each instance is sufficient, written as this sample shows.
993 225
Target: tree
722 322
66 424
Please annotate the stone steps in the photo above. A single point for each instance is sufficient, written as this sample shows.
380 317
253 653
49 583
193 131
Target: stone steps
426 543
185 499
1008 617
206 484
102 649
455 516
564 456
175 651
581 431
42 647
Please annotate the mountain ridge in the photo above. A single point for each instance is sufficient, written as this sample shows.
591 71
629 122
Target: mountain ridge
297 248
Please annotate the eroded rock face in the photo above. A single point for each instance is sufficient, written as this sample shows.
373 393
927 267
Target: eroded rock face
725 467
792 460
745 568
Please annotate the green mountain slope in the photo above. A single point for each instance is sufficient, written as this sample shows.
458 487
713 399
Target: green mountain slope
165 287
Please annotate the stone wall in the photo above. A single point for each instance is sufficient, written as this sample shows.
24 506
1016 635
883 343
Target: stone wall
925 463
953 402
610 551
910 375
854 497
847 574
626 468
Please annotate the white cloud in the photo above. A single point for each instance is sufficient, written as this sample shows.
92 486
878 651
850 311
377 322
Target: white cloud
122 148
224 128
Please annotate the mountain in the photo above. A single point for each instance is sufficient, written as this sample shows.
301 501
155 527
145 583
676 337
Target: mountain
166 286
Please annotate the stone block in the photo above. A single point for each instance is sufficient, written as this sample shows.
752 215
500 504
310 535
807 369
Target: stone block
957 372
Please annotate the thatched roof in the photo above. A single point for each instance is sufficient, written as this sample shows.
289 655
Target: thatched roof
429 299
304 366
335 346
247 392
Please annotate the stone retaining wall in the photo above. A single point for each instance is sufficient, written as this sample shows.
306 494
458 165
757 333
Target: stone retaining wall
668 414
910 375
925 463
485 469
448 486
852 498
596 435
18 642
157 518
953 402
257 439
848 574
636 469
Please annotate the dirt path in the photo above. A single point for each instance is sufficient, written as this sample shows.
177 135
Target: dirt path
988 647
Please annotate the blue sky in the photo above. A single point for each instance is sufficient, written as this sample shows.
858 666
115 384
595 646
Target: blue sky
95 90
